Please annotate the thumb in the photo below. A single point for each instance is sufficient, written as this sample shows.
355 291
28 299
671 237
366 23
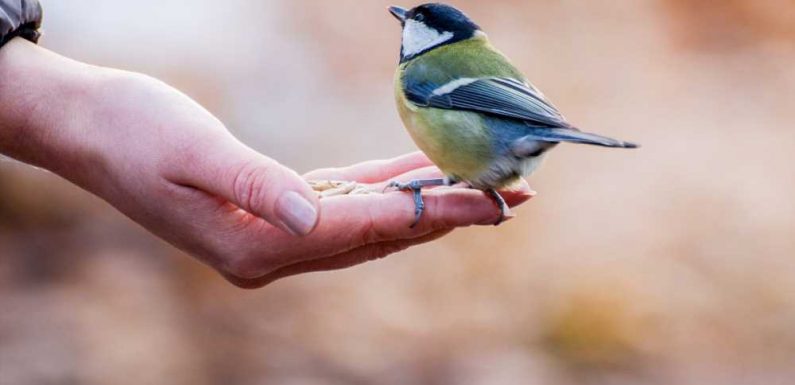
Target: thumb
256 184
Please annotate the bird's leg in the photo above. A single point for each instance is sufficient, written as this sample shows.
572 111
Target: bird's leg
504 210
415 186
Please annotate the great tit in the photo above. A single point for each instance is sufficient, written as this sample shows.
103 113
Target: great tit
469 109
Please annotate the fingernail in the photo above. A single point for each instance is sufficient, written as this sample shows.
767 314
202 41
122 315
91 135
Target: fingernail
296 213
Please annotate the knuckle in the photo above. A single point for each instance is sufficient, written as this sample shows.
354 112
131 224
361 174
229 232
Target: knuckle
369 234
369 231
249 187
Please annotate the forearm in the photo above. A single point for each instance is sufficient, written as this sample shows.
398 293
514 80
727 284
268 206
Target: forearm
42 102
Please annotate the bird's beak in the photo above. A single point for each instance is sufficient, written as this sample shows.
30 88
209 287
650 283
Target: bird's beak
398 13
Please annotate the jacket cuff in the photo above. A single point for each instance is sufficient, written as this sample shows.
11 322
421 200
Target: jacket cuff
19 18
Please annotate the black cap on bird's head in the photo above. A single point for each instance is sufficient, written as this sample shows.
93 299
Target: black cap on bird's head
432 25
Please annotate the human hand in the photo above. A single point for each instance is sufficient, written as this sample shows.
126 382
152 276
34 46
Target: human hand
358 228
168 164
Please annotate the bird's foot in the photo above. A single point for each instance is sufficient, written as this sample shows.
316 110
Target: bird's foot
415 186
505 212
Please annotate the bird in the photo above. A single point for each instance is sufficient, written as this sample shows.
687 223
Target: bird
471 111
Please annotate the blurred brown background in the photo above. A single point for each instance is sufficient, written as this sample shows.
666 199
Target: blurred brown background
673 264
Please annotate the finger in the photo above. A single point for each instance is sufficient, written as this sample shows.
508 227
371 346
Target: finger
352 221
374 170
348 259
514 194
386 217
253 182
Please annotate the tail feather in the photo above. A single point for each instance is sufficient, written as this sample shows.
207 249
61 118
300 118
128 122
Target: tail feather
575 136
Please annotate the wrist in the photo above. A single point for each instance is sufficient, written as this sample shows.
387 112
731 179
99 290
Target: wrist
44 100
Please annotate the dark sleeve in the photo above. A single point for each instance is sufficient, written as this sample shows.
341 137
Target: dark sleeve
19 18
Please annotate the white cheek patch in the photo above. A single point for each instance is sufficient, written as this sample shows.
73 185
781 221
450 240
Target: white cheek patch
418 37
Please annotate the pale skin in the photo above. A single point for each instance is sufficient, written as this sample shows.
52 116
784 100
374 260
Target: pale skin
167 163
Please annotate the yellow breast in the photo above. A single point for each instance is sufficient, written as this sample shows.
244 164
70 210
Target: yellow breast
456 141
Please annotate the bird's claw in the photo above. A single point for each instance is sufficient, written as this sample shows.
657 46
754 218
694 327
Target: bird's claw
410 186
505 212
419 208
415 186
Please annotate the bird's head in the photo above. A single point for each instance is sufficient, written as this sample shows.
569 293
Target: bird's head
429 26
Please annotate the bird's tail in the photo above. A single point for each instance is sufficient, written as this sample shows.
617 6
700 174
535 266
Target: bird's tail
575 136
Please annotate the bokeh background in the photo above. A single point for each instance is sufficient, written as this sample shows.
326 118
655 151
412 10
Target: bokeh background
672 264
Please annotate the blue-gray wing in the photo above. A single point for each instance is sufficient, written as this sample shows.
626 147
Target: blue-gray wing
507 99
503 97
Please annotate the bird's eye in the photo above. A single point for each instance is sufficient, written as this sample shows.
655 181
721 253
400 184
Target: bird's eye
419 17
